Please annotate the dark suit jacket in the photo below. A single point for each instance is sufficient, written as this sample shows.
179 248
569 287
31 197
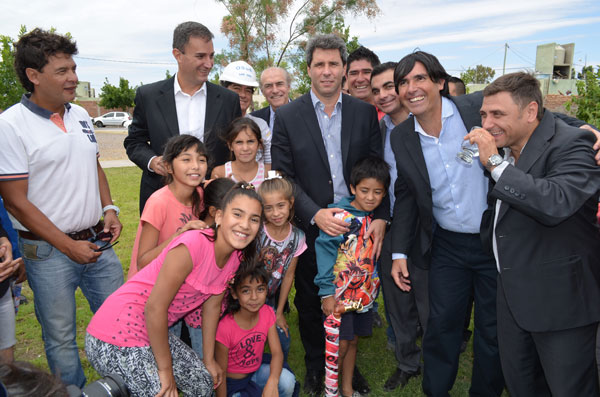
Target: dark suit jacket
547 236
412 226
297 149
264 113
155 121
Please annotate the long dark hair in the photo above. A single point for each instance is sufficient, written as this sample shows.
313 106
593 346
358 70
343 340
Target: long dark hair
214 193
249 254
254 271
238 125
174 147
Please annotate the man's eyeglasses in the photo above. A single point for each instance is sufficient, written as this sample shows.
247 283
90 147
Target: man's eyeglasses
100 237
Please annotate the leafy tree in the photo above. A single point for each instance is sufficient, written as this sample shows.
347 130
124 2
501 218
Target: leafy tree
10 87
588 96
256 31
478 75
120 97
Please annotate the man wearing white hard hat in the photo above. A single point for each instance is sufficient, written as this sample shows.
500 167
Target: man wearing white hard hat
240 77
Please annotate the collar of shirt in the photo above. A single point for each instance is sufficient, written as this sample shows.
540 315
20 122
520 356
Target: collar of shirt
389 124
318 105
40 111
178 89
447 112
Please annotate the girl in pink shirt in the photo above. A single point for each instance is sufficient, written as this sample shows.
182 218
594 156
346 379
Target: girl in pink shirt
129 335
175 207
241 338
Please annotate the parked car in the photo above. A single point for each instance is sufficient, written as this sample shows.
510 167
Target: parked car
113 118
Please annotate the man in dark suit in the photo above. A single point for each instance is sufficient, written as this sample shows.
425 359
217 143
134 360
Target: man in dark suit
542 229
317 138
275 85
184 104
437 215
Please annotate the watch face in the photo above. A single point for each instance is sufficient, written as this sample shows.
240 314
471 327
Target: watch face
494 160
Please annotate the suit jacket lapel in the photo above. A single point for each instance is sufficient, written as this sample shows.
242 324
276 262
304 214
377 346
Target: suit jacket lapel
413 147
214 104
166 103
312 126
347 128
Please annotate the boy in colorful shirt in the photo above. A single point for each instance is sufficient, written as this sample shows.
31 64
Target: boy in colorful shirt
346 264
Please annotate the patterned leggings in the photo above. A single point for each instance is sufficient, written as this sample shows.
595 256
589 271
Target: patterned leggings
138 368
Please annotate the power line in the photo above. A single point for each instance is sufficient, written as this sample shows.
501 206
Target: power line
125 61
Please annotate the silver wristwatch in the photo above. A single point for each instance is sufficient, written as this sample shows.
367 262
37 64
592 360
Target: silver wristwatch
494 160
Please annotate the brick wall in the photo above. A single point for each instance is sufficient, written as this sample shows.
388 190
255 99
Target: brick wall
556 103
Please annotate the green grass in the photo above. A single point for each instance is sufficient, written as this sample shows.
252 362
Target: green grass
375 361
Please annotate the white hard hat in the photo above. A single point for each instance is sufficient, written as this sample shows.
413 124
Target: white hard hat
239 72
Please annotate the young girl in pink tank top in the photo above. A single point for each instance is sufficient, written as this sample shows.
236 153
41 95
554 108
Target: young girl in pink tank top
129 335
243 139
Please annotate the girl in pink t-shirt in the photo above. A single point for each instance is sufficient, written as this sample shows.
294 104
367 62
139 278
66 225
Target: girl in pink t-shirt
129 335
241 338
175 207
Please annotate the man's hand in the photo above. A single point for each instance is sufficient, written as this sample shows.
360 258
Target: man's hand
158 166
82 252
377 229
400 274
327 222
328 305
597 144
112 225
7 265
485 142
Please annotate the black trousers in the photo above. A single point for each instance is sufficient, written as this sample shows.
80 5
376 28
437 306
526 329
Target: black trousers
310 315
556 363
458 266
405 309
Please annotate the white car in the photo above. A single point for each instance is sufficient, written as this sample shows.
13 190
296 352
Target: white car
113 118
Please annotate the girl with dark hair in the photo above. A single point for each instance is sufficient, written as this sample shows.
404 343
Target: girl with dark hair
243 139
241 337
177 206
129 335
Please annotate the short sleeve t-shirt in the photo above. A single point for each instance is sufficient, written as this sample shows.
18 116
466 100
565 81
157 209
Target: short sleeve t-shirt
120 320
245 346
166 214
59 162
277 255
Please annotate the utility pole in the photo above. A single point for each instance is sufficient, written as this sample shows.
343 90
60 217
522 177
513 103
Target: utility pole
504 65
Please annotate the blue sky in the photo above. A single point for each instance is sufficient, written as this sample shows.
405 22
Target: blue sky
461 34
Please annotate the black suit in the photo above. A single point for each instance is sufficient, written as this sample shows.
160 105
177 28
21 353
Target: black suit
298 151
549 253
155 121
264 113
415 233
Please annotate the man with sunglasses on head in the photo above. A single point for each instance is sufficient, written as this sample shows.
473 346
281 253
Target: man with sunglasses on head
56 193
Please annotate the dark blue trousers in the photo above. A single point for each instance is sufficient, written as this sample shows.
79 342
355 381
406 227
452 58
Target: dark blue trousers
458 266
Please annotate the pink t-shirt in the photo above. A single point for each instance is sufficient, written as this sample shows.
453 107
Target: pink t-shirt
120 320
166 214
245 346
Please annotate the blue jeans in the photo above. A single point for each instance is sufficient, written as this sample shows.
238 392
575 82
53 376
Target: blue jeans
283 339
287 380
195 335
54 277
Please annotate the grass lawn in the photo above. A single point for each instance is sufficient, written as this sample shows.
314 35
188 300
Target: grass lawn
376 363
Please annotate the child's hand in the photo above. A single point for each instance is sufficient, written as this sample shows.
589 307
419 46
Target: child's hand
270 389
168 387
328 305
215 370
282 323
193 225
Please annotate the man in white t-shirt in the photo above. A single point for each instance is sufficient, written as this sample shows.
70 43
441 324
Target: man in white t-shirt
56 193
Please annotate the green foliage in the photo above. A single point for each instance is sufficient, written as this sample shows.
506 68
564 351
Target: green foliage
588 96
120 97
10 87
478 75
168 74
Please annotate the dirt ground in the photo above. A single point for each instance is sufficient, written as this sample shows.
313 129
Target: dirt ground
111 143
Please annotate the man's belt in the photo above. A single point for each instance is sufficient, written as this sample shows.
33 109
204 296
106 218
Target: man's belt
84 234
